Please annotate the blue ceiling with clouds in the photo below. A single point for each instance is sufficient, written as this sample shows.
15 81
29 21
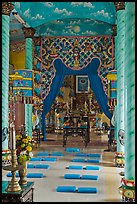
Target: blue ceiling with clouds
68 18
74 27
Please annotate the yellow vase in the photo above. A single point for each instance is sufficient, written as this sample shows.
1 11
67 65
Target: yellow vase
22 173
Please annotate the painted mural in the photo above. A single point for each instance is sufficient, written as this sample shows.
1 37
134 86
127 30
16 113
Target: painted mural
76 53
87 27
64 18
38 13
74 27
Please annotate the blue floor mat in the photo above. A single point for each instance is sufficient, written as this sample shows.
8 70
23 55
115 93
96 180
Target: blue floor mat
86 190
92 168
89 177
66 189
74 167
83 177
9 174
83 167
94 155
35 175
74 189
30 166
85 160
56 154
72 176
93 160
71 149
78 160
42 166
87 155
52 159
50 154
35 159
81 154
42 154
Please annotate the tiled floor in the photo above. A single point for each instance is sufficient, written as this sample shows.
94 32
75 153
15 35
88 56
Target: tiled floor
108 176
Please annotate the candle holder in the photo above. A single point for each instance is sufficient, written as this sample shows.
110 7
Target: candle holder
13 185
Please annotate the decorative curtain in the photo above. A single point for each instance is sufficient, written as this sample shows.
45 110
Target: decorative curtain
54 90
95 81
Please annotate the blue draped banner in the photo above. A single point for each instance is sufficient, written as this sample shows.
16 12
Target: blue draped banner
95 82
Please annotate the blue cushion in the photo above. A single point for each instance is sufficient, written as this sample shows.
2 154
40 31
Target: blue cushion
71 149
9 174
42 154
72 176
81 154
87 190
75 167
42 166
78 160
49 159
56 154
30 166
35 159
93 155
35 175
89 177
93 160
92 167
66 189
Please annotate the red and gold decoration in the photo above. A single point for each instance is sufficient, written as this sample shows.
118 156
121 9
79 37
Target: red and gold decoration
37 41
28 32
128 190
7 7
23 86
119 159
6 157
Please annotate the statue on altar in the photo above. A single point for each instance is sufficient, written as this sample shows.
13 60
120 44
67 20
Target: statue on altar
76 57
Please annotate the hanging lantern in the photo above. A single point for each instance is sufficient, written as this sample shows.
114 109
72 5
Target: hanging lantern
112 85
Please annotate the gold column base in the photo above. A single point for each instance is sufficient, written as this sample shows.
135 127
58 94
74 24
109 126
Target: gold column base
128 190
13 186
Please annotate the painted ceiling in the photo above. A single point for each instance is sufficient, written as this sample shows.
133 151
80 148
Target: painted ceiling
16 32
64 18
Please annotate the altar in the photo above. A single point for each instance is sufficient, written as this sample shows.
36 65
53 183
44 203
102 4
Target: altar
76 126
